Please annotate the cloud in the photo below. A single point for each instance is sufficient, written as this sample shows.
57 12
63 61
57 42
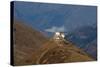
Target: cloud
56 29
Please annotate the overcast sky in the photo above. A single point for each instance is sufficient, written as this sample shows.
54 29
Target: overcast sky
45 16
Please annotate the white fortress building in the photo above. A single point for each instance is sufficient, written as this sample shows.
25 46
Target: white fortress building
59 35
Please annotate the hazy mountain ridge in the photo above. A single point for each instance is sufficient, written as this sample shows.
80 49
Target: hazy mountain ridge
86 38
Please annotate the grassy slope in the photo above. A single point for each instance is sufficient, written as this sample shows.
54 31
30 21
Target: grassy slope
32 47
27 40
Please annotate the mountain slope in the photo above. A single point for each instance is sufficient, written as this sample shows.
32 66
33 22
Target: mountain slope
51 52
26 41
32 47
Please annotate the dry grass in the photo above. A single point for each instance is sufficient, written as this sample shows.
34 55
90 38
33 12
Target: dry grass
32 47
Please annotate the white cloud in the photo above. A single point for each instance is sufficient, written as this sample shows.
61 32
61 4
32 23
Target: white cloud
56 29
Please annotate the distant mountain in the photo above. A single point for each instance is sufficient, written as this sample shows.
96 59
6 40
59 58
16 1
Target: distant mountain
91 48
86 38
